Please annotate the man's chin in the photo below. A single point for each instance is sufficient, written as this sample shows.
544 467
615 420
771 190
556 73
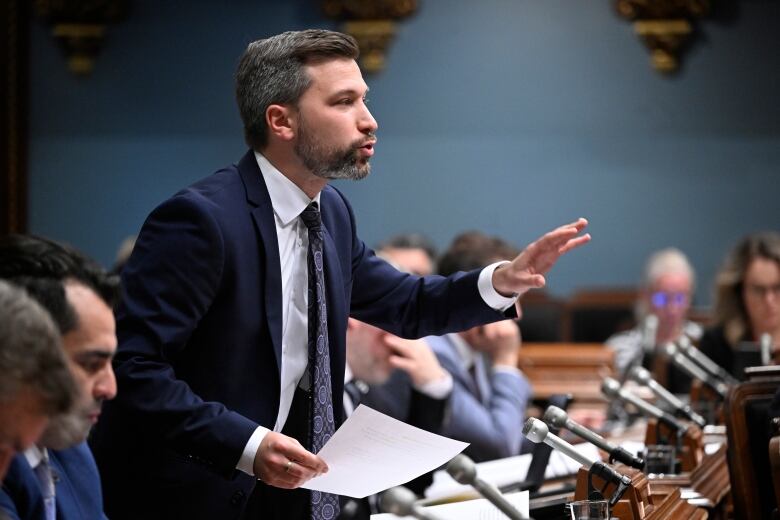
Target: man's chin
65 432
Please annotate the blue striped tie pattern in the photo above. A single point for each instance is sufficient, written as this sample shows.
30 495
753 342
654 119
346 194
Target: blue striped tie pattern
324 506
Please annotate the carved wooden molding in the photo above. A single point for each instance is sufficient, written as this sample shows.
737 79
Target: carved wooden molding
372 24
665 27
14 18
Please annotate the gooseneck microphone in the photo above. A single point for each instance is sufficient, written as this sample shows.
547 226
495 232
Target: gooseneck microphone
611 388
765 345
558 418
694 370
403 502
537 431
701 359
464 471
642 376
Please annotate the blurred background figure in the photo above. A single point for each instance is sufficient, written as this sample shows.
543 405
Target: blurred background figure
35 382
491 394
58 475
747 300
662 316
397 377
411 252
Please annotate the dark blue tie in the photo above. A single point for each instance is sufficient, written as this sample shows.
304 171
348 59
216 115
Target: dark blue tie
324 506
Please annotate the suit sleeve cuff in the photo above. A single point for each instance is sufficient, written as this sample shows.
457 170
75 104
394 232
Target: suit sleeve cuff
247 461
489 293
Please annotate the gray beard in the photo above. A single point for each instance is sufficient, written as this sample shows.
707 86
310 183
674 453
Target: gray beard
330 163
65 431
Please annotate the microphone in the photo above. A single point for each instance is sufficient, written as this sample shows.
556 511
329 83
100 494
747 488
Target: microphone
537 431
403 502
695 371
699 357
765 343
611 388
558 418
643 377
649 332
464 471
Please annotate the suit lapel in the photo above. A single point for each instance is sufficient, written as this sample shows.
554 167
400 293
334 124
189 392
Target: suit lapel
263 215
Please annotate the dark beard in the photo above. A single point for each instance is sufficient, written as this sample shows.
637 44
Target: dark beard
331 163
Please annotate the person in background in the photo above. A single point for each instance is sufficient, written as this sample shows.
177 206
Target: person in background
58 476
490 393
662 316
36 383
747 300
412 253
397 377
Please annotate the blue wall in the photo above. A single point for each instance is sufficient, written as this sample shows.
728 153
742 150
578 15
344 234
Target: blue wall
510 116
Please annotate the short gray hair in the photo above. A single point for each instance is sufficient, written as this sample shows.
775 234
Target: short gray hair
271 72
668 261
30 353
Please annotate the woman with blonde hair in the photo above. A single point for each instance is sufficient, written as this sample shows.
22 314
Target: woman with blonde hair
747 298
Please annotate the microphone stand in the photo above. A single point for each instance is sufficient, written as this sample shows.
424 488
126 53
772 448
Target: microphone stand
608 476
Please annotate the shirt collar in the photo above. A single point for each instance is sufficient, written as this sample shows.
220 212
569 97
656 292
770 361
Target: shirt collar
287 199
35 455
464 350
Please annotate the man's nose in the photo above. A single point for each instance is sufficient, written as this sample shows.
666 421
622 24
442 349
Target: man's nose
367 123
106 386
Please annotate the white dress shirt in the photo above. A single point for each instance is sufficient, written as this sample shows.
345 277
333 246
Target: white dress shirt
288 201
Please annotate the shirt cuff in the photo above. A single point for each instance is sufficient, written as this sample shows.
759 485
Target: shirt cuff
247 461
438 389
489 293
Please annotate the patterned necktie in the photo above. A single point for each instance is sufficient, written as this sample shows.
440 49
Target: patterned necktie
43 472
324 506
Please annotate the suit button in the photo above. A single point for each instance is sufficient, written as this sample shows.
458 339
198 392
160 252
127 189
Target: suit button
237 497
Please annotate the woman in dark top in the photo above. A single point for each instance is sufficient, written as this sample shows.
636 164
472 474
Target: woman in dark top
747 299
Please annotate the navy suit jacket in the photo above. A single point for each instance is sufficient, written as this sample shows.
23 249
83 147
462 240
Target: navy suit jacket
489 412
200 332
76 481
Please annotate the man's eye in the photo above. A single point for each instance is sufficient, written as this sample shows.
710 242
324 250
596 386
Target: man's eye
92 367
345 101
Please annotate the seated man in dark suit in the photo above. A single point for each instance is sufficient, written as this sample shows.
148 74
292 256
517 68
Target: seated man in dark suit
35 382
58 477
398 377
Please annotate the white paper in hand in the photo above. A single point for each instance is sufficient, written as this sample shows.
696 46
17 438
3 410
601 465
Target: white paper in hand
372 452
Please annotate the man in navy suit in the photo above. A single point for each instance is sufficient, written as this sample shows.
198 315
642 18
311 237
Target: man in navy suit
58 477
214 360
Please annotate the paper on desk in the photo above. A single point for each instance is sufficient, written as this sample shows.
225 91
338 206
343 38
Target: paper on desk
372 452
511 470
479 509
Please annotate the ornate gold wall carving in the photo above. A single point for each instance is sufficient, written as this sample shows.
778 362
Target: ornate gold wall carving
80 27
665 27
372 24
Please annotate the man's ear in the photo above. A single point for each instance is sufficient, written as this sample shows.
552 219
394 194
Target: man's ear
280 120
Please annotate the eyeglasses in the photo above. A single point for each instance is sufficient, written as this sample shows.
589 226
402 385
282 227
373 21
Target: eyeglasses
662 299
761 291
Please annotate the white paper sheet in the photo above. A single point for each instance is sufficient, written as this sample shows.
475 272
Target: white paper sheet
479 509
372 452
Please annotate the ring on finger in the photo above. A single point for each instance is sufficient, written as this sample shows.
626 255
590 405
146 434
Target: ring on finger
288 466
